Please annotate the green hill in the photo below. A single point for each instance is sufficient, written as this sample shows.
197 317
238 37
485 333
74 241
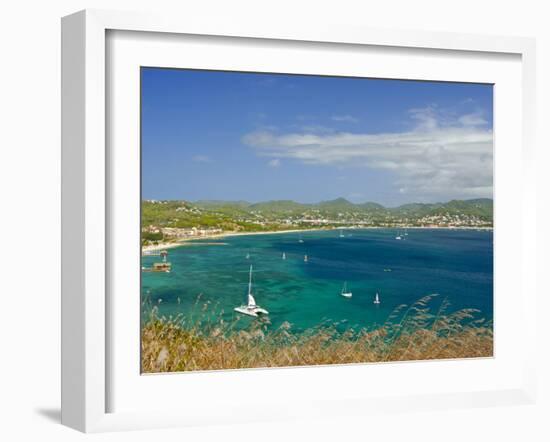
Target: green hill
336 204
371 206
285 214
213 204
279 206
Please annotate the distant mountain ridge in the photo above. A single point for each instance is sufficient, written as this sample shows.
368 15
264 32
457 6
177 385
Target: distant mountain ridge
219 203
285 214
481 206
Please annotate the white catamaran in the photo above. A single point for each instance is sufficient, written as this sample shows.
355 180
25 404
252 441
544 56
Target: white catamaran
251 309
345 293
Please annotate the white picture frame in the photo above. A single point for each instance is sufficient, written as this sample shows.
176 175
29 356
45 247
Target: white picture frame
87 204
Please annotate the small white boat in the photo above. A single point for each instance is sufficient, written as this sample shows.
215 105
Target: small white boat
251 308
284 255
345 293
398 237
376 298
248 256
342 234
305 258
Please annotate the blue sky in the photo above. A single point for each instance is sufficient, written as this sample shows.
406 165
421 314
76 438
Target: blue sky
258 137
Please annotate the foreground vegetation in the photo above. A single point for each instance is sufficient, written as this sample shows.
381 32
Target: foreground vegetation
204 341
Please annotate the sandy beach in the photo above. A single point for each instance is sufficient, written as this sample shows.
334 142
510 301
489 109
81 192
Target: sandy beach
186 241
192 240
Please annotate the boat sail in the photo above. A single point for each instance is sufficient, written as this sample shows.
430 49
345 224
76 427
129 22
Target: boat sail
284 255
345 293
342 234
305 258
251 308
376 299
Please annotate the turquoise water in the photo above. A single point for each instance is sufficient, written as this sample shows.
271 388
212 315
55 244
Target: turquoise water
457 264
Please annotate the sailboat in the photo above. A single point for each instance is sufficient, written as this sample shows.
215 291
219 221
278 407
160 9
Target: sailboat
305 258
251 308
300 240
342 234
376 298
284 255
248 256
345 292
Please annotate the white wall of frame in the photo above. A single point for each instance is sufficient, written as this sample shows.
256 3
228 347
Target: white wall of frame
301 386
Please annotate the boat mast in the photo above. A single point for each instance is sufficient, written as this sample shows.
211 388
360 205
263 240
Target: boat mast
250 282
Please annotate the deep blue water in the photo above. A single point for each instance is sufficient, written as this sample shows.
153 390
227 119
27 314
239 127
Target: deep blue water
457 264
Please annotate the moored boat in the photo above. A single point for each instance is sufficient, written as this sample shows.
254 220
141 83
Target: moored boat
345 292
251 308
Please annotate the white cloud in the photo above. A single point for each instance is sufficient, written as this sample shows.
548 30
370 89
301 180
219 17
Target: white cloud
473 119
274 163
452 157
201 159
316 128
344 118
426 117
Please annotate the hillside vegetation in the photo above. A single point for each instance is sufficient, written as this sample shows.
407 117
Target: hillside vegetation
285 214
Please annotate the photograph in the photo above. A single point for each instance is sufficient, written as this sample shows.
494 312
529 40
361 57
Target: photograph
303 220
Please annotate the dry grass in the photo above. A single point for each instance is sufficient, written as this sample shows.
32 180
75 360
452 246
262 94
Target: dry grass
411 333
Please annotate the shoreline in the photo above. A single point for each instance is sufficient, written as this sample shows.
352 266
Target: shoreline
189 241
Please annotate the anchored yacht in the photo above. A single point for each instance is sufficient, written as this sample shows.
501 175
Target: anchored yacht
251 308
345 293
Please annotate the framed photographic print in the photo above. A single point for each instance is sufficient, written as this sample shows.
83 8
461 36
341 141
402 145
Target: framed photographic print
274 211
307 220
